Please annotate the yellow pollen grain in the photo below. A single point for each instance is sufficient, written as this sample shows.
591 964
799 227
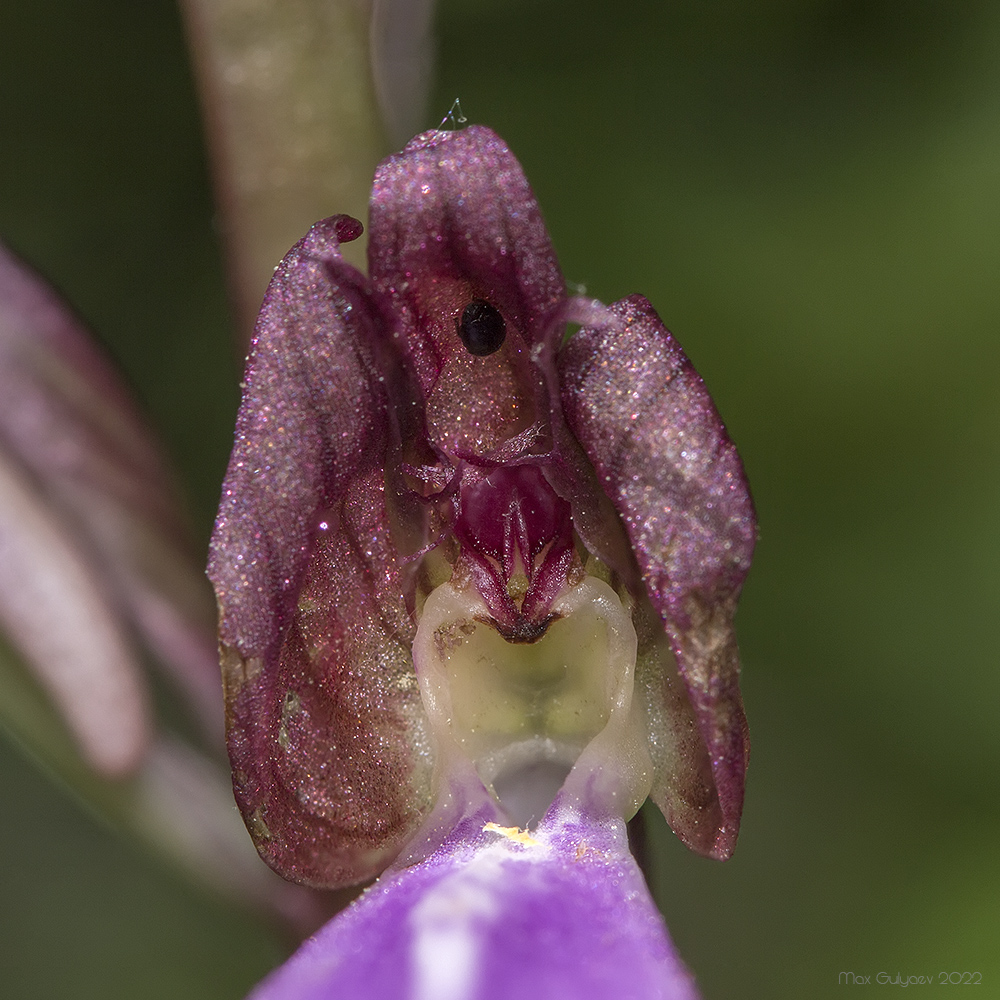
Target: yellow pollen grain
512 833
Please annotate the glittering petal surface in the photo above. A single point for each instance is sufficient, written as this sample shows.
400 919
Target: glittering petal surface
453 219
324 722
497 914
648 425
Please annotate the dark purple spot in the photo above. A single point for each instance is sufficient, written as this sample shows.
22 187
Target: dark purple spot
482 328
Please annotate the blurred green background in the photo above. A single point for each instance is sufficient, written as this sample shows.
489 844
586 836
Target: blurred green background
809 192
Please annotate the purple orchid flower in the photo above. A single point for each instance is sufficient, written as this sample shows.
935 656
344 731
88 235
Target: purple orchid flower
474 578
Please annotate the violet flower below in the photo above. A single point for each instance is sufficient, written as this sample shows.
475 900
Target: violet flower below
562 912
471 577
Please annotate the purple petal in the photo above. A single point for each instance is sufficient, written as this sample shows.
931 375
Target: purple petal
561 913
453 219
662 455
324 722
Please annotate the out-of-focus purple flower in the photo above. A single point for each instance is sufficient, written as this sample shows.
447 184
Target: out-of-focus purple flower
470 574
98 581
96 563
495 912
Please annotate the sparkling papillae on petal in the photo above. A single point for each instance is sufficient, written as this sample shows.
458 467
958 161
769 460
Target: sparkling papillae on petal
313 417
561 913
453 220
324 720
662 455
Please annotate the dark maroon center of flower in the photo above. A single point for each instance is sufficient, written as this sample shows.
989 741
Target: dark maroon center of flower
482 328
512 522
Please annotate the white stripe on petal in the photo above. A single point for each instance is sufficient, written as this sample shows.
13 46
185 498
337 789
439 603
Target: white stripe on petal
452 921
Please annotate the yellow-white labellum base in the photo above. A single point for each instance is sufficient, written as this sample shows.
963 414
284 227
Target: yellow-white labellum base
526 721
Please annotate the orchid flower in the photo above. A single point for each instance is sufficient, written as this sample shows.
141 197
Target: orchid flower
476 587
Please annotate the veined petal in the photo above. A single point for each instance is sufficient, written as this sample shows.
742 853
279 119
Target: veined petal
662 455
497 913
93 559
324 722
